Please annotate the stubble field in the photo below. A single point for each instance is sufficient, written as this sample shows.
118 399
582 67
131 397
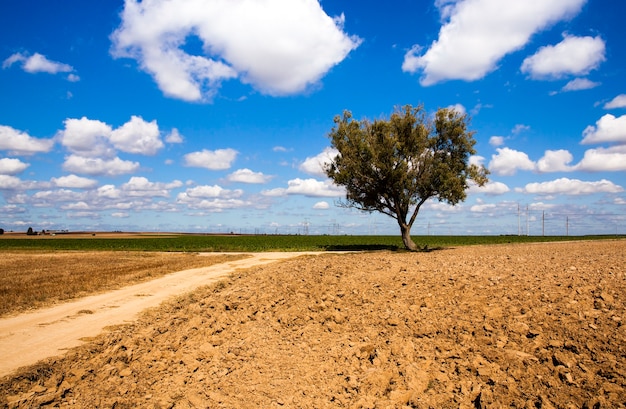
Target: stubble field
519 326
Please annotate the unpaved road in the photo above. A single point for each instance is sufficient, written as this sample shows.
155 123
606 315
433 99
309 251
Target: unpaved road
30 337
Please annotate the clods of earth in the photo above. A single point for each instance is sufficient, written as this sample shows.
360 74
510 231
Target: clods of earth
517 326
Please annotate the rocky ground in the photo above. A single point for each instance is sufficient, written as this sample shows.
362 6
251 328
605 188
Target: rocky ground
518 326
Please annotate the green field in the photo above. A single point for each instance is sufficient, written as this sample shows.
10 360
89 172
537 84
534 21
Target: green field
260 243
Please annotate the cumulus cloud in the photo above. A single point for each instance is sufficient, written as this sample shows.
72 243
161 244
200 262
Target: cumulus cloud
315 165
617 102
138 186
8 182
321 206
248 176
280 47
313 188
212 198
607 129
579 84
94 138
478 33
483 208
12 166
604 159
174 137
491 188
20 143
219 159
496 141
572 56
307 187
74 182
98 166
206 191
508 161
555 161
86 137
573 187
137 136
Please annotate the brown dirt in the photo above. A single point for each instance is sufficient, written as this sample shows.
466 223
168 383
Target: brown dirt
34 279
519 326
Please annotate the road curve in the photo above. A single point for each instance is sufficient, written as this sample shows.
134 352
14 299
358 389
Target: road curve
28 338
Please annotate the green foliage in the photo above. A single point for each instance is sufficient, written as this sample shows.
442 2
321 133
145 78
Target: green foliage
394 166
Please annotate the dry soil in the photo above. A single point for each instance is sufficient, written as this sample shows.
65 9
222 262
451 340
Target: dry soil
517 326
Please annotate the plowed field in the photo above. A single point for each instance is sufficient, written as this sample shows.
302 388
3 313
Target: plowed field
518 326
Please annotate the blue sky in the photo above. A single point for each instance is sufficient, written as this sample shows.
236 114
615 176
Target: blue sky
213 115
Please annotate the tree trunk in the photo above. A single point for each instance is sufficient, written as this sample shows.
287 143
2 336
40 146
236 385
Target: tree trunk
406 237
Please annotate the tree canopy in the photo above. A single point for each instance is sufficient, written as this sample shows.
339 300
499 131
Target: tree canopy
393 166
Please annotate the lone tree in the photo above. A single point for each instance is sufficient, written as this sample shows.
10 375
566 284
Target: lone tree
394 166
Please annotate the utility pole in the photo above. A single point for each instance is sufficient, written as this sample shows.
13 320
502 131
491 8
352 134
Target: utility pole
519 226
527 225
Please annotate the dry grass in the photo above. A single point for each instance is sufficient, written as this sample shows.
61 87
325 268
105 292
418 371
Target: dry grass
30 280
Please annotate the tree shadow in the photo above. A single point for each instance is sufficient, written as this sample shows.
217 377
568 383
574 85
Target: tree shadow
377 247
361 247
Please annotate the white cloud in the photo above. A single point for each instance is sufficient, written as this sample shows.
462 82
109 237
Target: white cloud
212 198
174 137
578 84
321 206
496 141
607 129
555 161
36 63
138 186
280 47
74 182
206 191
86 137
94 138
9 182
604 159
137 136
11 166
507 161
219 159
478 33
315 165
20 143
307 187
98 166
573 187
277 192
458 108
476 160
617 102
248 176
572 56
483 208
313 188
490 188
109 192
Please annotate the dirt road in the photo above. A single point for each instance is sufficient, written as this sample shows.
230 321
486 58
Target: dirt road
28 338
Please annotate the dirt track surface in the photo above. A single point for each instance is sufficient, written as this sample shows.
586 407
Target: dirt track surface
519 326
28 338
